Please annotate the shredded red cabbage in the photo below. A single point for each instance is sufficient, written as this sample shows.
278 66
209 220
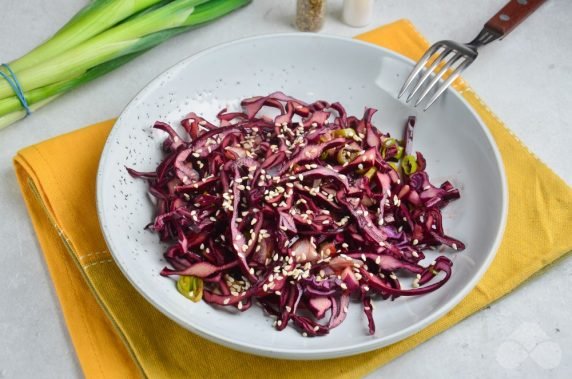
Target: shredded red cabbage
299 212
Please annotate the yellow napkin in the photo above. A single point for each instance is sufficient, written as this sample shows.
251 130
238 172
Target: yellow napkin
116 333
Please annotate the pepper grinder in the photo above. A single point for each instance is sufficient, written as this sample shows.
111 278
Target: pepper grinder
357 13
310 15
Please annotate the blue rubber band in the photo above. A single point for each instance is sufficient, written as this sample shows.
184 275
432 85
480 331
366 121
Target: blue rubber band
13 82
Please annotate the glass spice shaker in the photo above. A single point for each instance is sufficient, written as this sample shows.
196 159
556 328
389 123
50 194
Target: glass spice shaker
310 15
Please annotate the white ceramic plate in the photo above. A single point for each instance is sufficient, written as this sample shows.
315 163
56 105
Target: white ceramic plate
453 139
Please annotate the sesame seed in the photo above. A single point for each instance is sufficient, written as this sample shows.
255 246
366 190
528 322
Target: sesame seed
305 334
202 247
278 293
378 260
301 177
415 254
326 222
360 166
363 257
345 309
454 246
265 287
226 301
316 328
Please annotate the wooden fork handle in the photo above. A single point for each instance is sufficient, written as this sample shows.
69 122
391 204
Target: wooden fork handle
512 14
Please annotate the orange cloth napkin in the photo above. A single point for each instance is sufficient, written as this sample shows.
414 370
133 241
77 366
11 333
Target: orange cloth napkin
117 334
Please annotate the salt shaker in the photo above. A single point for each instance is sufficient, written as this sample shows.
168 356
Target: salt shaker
357 13
310 15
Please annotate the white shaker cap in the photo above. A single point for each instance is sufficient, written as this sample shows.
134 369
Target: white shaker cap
357 13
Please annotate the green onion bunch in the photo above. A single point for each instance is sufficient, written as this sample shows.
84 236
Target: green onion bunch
99 38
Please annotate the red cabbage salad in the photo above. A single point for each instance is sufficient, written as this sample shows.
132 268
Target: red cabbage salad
297 213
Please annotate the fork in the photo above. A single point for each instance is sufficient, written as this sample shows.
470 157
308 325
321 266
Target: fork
454 57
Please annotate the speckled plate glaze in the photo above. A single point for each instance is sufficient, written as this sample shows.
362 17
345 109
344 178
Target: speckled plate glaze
454 140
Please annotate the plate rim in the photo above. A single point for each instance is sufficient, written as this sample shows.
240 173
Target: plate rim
301 353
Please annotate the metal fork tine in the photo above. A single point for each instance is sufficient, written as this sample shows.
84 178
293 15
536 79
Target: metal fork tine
428 72
454 75
420 64
438 76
